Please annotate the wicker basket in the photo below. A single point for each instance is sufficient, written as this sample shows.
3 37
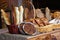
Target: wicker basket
48 28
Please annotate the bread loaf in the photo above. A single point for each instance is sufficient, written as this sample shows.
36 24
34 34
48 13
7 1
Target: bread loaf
39 22
17 14
6 17
29 10
39 13
45 21
21 10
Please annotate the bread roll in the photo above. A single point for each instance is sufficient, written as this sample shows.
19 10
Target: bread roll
56 14
45 21
39 13
39 22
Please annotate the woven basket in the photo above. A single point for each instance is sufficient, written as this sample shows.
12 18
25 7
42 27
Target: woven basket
49 28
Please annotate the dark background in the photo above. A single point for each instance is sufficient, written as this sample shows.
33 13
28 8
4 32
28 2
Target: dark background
52 4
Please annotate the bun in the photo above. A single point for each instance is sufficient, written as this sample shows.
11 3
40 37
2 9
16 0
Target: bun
39 22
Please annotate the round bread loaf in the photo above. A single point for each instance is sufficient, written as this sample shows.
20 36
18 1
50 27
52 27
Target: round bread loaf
27 28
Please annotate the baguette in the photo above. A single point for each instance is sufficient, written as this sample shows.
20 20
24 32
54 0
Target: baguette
17 14
21 14
6 17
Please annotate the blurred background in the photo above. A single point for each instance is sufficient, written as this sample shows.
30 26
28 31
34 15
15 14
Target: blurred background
52 4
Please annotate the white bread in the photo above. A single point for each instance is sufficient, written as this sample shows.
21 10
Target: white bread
16 9
21 13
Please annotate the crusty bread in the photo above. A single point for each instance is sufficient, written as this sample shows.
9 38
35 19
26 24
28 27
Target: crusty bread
39 13
39 22
17 14
56 14
21 10
6 17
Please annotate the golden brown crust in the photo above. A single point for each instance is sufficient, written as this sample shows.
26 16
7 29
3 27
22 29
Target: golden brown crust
45 21
56 14
39 22
39 13
6 17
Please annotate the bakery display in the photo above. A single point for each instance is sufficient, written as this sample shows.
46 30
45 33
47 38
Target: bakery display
13 20
21 11
16 15
27 20
39 13
27 23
